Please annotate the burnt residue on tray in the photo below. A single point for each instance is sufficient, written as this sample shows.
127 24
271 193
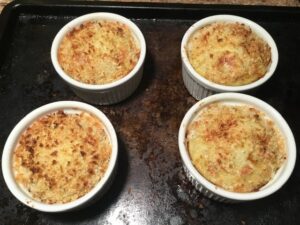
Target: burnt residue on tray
150 186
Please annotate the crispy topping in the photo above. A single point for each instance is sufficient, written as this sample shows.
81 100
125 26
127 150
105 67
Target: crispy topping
235 147
229 54
58 165
98 52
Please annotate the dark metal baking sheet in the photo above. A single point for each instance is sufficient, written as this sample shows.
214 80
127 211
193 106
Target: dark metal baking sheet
150 187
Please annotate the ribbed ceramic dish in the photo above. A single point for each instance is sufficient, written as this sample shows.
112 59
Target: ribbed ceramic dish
195 83
102 94
69 107
212 191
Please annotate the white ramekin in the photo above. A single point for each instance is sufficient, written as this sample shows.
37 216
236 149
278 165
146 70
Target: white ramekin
104 94
194 82
212 191
92 195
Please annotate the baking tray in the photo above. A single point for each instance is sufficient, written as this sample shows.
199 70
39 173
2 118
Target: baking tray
150 186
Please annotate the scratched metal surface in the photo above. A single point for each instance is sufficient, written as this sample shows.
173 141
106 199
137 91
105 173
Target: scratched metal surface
150 187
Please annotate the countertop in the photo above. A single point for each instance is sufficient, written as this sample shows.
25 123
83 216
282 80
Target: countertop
234 2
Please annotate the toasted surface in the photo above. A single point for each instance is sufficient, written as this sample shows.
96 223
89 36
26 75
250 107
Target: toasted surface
61 157
236 147
98 52
228 54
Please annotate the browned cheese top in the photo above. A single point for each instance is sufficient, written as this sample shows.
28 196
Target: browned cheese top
236 147
228 54
99 52
60 157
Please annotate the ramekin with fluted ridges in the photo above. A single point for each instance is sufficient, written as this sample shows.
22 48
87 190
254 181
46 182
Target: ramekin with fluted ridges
195 83
217 193
94 194
102 94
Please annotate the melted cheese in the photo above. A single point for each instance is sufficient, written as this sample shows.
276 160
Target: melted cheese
61 157
228 54
235 147
98 52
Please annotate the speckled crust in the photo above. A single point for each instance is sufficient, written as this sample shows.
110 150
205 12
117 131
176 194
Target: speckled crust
61 157
235 147
228 54
98 52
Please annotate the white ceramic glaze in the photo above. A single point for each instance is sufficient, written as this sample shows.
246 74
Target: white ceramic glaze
218 193
104 94
68 107
194 82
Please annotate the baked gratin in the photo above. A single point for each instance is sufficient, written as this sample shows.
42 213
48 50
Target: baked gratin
236 147
99 52
229 54
61 157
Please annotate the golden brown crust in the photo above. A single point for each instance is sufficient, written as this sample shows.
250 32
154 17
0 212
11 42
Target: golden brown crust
228 54
61 157
98 52
235 147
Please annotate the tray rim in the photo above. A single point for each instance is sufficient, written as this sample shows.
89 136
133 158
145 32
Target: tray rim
16 4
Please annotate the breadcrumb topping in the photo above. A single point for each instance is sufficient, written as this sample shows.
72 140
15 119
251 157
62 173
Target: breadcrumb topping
61 157
236 147
229 54
99 52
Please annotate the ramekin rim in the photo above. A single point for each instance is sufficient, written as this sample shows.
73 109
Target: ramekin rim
24 123
287 168
90 17
258 29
